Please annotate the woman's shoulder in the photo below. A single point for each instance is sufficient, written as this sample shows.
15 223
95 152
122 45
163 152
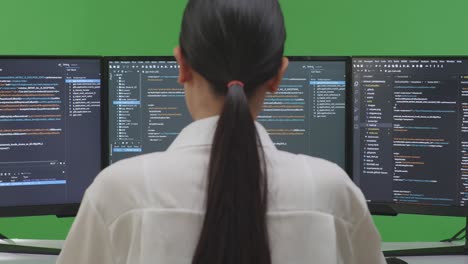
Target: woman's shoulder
325 186
170 180
122 186
343 198
126 171
312 168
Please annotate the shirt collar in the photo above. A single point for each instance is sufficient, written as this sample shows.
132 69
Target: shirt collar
201 133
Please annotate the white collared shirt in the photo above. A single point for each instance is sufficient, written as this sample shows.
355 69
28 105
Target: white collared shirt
149 209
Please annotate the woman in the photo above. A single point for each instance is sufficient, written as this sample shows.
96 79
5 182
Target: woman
222 193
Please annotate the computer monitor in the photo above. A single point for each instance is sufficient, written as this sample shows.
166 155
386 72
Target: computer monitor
50 133
147 107
410 134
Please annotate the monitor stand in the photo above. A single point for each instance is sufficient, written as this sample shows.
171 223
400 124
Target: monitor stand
438 251
8 246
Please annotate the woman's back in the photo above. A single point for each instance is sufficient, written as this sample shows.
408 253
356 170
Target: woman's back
217 196
150 209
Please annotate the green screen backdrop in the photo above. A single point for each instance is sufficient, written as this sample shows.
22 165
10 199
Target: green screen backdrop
315 27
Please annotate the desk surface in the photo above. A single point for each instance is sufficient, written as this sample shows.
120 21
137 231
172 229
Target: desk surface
427 260
31 259
38 259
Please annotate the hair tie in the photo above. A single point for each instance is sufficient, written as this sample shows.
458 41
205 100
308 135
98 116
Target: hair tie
232 83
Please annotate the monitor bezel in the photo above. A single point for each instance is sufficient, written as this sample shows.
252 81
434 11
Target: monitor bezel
345 59
390 208
65 209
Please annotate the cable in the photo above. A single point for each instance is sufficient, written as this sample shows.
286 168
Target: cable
456 236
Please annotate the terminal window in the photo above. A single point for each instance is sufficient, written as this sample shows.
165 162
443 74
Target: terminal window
306 115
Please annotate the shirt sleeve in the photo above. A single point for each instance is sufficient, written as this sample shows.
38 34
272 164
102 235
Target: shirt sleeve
366 242
88 240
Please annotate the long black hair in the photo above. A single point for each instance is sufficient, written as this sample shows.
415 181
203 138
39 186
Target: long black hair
226 40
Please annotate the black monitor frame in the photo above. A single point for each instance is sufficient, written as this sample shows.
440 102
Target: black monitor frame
105 108
66 209
390 208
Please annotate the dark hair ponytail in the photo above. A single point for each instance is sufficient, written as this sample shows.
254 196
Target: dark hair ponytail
234 229
227 40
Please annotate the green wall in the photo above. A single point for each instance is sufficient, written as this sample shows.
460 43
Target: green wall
315 27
